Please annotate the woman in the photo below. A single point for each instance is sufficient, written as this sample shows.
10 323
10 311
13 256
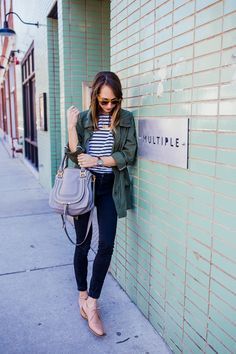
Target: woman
102 139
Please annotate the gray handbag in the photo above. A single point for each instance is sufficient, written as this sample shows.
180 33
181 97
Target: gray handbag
72 194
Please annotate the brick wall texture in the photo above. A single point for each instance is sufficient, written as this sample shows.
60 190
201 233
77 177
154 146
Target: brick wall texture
175 252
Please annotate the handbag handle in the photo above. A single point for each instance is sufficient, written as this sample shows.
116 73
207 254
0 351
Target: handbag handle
64 162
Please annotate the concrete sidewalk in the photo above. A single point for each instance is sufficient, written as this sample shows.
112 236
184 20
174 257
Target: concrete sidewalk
38 295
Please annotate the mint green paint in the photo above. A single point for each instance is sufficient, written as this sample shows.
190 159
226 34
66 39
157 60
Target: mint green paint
209 14
81 56
54 119
207 46
196 338
227 173
208 30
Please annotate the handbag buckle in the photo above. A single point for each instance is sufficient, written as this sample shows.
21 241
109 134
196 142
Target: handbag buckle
82 173
60 173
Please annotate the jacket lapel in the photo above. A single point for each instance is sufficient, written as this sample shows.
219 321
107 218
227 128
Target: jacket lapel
121 130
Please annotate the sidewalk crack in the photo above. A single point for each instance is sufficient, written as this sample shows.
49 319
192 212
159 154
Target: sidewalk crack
35 269
40 268
23 215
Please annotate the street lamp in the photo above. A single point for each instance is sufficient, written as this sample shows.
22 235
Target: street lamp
8 32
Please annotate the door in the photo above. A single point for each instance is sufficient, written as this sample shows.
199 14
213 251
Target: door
28 87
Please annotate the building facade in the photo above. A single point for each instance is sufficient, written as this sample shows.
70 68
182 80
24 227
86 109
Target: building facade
9 127
58 61
175 252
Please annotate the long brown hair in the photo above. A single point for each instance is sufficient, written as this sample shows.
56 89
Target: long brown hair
110 79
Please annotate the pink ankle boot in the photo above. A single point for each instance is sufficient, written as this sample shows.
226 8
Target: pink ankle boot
94 321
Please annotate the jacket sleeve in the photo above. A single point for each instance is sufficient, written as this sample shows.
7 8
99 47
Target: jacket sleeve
127 155
79 149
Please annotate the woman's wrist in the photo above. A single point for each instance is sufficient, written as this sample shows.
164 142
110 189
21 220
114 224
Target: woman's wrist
71 128
108 161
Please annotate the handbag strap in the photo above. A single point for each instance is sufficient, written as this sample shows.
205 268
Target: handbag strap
64 219
64 161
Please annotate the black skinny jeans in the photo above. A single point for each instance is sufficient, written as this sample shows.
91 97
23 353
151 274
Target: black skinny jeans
107 222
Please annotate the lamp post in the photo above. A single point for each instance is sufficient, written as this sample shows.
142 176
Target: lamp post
8 32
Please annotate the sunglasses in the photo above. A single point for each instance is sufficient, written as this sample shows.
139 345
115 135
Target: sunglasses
105 101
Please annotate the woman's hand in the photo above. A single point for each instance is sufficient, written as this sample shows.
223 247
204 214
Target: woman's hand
72 117
85 160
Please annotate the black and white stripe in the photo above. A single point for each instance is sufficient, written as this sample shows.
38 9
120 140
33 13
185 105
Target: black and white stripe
101 142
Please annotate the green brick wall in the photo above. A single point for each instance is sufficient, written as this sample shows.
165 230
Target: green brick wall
54 95
175 252
78 47
68 51
84 49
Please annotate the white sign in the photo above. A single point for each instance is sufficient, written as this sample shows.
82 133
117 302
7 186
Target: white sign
164 140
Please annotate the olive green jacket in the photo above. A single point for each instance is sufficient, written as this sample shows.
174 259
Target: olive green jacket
123 152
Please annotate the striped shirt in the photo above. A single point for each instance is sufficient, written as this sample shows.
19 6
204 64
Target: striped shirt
101 142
